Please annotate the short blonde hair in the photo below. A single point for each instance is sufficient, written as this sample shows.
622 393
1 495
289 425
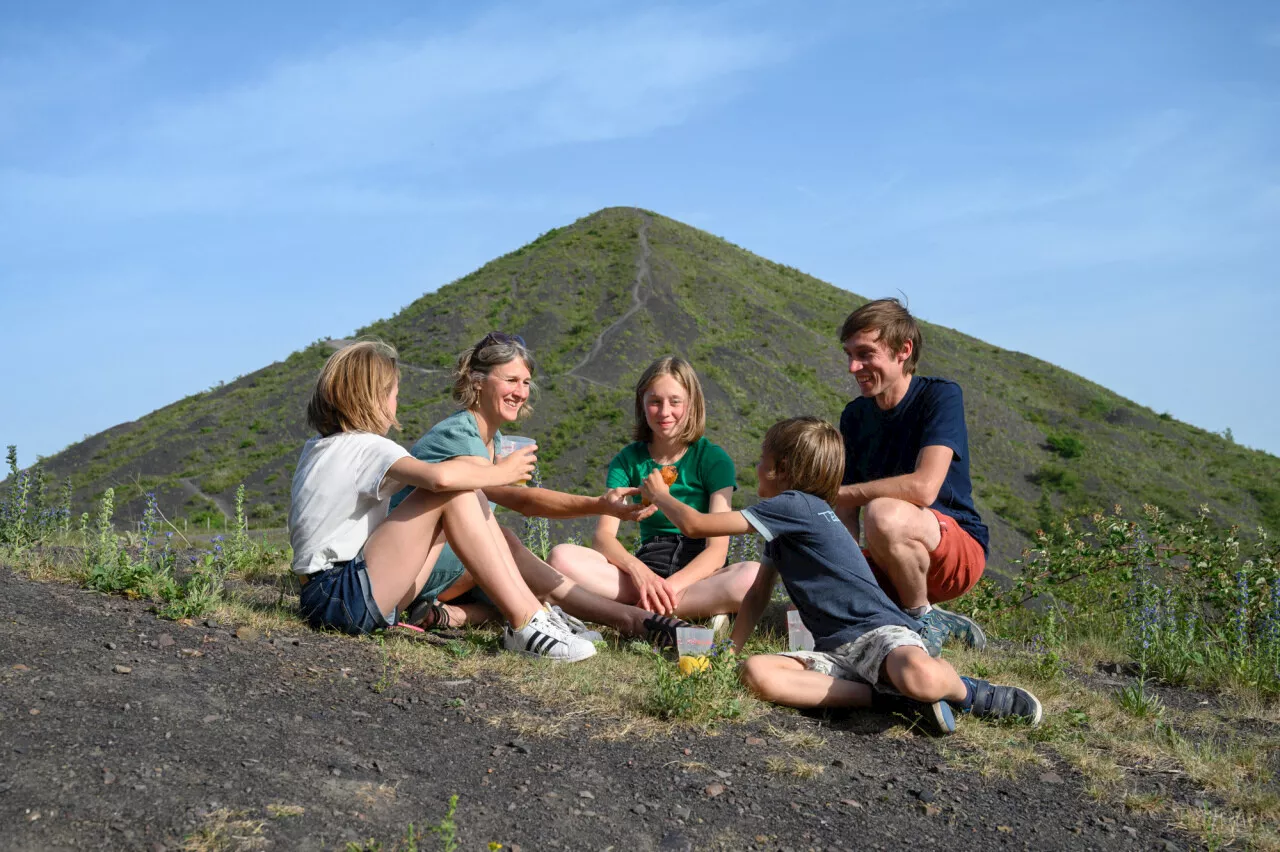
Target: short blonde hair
808 453
895 324
475 364
352 389
695 413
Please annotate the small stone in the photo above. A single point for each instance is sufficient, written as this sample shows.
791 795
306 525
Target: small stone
853 803
714 789
191 652
838 763
121 669
34 711
108 777
681 812
687 752
675 843
936 769
33 816
585 794
1170 846
1050 778
247 634
755 741
1004 829
110 646
925 796
930 810
212 717
640 809
164 640
19 667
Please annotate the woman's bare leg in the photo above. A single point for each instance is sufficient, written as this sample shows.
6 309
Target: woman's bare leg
402 550
549 584
722 592
591 571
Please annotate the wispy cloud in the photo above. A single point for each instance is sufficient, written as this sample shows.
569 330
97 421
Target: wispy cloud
317 128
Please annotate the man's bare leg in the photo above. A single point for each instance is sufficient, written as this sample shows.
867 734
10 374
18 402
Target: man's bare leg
900 536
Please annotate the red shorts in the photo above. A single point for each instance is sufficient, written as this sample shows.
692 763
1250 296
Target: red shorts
955 565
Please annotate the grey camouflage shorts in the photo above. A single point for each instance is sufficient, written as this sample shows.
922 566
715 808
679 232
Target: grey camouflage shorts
861 659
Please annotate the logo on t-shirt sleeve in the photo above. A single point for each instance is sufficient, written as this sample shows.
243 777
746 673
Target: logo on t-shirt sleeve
830 516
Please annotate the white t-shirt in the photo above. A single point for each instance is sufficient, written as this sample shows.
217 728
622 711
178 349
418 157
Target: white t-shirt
340 496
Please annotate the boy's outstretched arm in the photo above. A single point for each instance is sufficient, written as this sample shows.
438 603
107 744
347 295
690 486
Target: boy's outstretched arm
753 604
689 520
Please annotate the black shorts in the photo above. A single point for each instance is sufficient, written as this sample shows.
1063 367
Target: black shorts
667 554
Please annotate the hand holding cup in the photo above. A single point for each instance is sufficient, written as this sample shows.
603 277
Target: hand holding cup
519 455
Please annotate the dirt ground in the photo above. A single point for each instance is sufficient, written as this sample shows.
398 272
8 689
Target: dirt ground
119 730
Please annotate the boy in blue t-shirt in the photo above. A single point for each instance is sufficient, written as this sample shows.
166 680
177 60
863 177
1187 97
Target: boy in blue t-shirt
864 646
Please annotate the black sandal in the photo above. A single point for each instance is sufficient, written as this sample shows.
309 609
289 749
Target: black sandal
661 630
429 615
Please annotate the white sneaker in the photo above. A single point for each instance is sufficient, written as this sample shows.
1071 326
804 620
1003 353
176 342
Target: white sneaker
720 624
575 626
545 637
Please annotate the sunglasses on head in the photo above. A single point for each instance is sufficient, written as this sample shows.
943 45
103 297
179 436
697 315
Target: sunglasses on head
499 337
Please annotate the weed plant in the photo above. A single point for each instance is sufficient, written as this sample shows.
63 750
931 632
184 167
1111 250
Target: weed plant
704 697
1192 604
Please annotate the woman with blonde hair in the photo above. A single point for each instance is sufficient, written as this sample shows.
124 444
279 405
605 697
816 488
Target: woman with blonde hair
670 573
360 566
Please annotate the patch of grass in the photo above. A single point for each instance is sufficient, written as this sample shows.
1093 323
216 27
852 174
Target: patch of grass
799 740
279 810
794 767
225 830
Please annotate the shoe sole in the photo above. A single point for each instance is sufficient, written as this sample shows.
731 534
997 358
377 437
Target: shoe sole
944 719
719 624
977 639
590 652
1038 715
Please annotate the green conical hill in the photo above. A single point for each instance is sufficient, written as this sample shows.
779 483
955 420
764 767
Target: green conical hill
598 300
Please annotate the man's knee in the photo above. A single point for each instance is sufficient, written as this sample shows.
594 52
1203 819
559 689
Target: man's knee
889 520
756 676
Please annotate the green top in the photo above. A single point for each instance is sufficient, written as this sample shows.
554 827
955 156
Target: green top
704 469
456 435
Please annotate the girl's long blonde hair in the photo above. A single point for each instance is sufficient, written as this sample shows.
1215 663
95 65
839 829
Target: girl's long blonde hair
352 389
695 413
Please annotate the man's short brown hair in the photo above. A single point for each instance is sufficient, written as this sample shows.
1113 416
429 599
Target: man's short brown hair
352 389
895 324
808 454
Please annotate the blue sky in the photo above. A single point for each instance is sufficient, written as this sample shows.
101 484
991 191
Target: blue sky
191 191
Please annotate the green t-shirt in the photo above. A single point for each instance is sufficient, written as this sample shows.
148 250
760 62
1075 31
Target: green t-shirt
456 435
704 469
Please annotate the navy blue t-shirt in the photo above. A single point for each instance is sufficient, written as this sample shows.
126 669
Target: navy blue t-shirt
823 569
879 444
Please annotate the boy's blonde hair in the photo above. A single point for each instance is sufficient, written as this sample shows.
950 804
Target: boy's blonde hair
695 412
475 364
895 324
351 392
808 453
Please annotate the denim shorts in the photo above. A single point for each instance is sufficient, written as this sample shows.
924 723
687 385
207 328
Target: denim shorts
667 554
340 598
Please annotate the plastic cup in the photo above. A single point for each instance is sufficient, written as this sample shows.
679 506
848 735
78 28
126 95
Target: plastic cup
510 443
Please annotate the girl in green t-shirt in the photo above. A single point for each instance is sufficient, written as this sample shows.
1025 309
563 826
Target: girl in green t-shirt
669 573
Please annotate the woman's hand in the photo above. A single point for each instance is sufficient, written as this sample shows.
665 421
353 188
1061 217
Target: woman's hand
517 467
614 503
656 594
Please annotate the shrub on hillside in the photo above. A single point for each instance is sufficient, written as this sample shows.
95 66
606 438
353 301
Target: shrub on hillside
1066 445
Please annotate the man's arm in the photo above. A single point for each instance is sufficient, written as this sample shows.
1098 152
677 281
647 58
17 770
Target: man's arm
546 503
920 487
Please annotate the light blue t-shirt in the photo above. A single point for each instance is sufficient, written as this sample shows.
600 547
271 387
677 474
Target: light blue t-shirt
456 435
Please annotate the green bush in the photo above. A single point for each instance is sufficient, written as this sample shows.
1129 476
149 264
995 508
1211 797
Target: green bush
1066 445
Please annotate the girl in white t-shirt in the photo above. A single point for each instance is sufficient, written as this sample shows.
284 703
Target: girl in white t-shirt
359 565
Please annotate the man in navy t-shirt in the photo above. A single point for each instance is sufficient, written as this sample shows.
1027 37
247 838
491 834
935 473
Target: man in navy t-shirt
906 476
